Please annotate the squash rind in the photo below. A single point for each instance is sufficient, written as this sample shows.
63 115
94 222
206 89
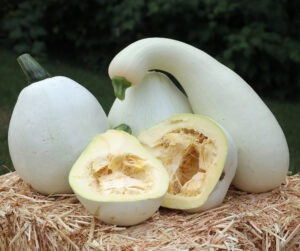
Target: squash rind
153 100
52 122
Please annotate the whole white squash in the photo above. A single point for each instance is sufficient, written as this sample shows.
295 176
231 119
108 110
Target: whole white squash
215 91
154 99
52 122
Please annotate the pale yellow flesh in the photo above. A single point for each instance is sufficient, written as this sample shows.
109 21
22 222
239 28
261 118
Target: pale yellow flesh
193 157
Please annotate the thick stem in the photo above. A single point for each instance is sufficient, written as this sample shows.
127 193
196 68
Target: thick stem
33 71
120 85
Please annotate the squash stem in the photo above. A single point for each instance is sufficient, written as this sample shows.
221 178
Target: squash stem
120 85
123 127
33 71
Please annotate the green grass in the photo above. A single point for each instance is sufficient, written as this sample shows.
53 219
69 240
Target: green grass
288 116
12 81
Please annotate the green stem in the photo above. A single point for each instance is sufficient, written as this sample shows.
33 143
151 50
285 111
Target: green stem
123 127
33 71
120 85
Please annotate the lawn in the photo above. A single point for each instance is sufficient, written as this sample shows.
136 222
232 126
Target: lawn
12 81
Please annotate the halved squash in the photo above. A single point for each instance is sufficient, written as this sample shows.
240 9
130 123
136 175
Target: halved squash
117 180
200 157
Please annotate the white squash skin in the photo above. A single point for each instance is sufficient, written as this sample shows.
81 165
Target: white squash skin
216 91
122 213
147 103
52 122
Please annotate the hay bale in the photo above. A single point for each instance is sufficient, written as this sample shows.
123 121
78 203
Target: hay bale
267 221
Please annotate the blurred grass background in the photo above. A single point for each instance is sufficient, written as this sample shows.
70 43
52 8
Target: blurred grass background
77 39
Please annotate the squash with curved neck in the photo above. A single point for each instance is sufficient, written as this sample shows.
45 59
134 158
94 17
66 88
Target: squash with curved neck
216 91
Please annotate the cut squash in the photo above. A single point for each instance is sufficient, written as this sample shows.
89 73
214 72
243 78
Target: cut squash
117 180
198 154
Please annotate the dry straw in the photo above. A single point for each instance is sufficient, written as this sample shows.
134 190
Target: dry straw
267 221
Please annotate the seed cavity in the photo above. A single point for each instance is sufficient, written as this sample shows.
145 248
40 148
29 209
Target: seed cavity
122 174
188 155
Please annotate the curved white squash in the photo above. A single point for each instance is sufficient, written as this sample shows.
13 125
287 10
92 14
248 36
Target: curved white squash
117 180
52 122
146 104
200 157
215 91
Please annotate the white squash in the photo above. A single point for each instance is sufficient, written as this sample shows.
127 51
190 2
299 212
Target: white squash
117 180
52 122
200 157
215 91
148 103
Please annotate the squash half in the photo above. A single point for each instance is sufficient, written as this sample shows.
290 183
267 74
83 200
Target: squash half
117 180
200 157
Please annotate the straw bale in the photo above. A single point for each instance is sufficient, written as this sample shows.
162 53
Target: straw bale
245 221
